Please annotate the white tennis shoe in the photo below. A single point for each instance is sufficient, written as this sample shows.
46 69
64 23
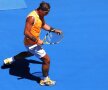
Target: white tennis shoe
8 61
47 82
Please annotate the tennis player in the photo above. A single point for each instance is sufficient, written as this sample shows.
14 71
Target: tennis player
34 23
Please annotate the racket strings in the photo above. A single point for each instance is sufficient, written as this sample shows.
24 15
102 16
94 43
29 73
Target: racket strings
53 37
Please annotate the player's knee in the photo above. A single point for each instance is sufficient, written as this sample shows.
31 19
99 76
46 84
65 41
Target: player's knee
46 59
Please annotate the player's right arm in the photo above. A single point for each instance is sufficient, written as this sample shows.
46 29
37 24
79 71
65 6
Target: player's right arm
29 23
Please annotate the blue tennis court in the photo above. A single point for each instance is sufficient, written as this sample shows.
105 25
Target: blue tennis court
79 62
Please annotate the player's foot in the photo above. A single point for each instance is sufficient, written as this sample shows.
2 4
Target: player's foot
8 61
47 82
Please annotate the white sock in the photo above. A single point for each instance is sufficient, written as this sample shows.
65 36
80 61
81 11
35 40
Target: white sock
44 78
11 59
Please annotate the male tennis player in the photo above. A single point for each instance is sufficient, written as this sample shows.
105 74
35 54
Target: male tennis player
34 23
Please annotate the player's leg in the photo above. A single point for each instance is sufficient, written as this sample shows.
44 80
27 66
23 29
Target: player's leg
45 70
40 53
21 55
45 65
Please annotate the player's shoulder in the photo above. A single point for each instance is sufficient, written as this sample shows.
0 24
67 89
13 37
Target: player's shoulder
32 13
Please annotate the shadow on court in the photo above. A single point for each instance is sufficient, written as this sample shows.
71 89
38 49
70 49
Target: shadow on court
20 67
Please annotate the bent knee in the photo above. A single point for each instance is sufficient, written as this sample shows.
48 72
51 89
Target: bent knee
46 59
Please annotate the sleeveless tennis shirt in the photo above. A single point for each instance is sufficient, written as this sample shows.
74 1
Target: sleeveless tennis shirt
36 28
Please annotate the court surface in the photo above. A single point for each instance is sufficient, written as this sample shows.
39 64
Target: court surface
79 62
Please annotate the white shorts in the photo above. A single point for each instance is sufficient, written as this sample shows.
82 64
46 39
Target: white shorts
38 51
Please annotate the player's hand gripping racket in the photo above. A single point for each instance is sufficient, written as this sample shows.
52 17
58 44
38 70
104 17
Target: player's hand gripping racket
51 38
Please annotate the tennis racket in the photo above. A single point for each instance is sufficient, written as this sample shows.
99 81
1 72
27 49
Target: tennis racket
50 38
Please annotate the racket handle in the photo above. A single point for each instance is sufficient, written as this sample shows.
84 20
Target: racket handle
32 46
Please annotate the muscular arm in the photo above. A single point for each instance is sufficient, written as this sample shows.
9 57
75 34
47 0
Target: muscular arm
49 28
46 27
28 25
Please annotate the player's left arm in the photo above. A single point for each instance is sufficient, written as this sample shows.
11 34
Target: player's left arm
51 29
